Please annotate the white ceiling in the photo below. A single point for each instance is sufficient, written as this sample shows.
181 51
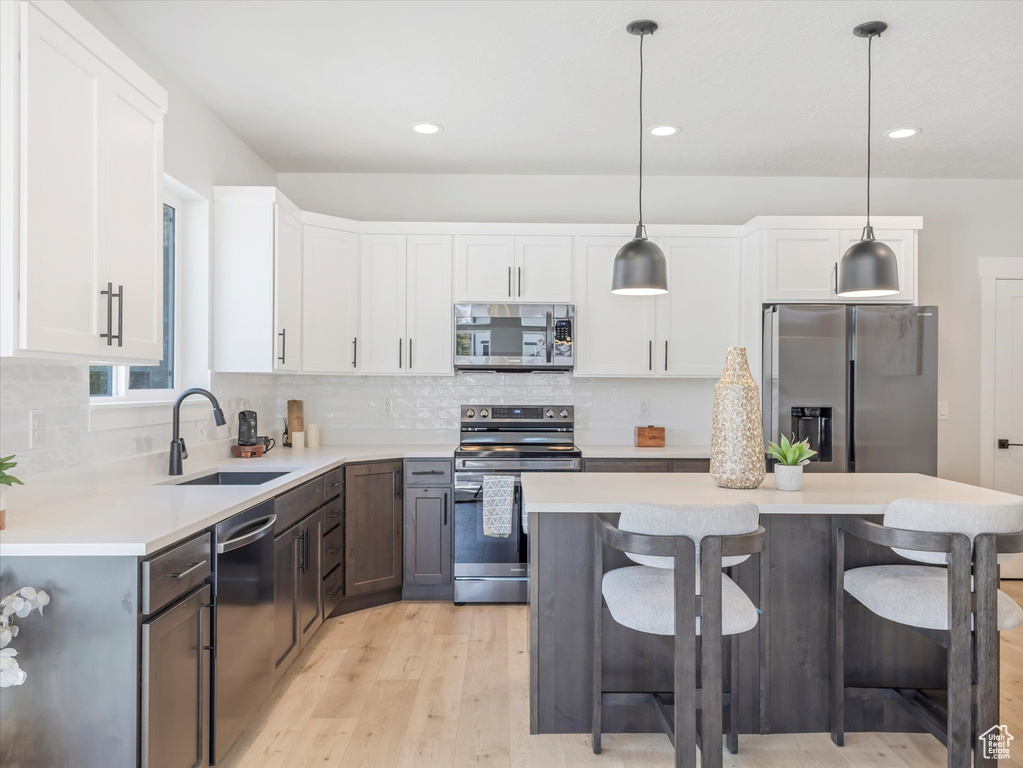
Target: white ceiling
760 88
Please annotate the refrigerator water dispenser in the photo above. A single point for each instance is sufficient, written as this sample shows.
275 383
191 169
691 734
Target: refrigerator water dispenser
813 423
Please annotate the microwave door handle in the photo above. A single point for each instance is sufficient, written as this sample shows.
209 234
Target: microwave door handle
550 337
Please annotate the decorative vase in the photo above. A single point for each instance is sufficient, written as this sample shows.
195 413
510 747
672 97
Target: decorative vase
737 437
788 478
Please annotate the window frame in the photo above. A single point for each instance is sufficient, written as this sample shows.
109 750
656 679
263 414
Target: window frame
120 394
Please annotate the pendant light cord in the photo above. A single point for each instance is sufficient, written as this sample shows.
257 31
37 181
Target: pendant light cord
870 41
641 129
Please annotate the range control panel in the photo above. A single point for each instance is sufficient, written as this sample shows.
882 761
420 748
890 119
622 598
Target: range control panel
517 413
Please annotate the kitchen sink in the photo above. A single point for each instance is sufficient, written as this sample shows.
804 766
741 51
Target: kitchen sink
234 478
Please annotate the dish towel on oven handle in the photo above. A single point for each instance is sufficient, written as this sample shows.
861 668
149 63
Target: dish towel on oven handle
498 505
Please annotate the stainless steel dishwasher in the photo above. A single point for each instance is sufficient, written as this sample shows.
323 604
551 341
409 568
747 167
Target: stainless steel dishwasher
243 662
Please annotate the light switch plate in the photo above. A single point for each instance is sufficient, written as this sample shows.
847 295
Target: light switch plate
943 410
388 407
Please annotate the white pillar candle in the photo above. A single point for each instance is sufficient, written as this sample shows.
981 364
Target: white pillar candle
298 441
312 435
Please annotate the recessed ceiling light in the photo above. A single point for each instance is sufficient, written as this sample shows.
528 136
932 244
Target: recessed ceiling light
427 128
902 133
665 130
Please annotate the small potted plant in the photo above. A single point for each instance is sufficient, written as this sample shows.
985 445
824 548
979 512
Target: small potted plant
791 456
6 480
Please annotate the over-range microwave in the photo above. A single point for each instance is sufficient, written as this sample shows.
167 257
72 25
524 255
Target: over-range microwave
514 337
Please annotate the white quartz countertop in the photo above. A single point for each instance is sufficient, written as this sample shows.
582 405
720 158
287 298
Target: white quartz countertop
138 520
632 452
822 494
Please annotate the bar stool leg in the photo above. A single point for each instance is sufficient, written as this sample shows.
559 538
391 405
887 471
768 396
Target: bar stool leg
711 713
960 655
986 641
598 615
838 636
685 654
733 694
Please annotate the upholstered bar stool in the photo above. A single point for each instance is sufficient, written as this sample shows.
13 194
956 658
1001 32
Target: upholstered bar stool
678 588
953 600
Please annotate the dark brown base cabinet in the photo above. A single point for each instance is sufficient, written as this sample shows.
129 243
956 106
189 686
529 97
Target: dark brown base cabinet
373 527
428 532
646 465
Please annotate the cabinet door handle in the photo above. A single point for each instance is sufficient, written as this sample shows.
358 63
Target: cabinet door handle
445 509
400 346
109 292
520 282
509 283
397 483
355 352
650 355
335 484
411 365
192 567
284 340
665 355
834 281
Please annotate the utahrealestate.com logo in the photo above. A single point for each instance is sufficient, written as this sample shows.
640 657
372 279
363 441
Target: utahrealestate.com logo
994 743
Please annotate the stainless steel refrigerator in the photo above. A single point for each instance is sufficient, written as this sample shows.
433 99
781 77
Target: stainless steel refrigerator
861 382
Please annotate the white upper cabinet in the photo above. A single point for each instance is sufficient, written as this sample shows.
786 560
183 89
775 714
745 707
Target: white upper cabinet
82 181
429 312
543 269
802 264
701 315
615 334
799 264
406 312
257 281
502 268
903 245
288 289
330 300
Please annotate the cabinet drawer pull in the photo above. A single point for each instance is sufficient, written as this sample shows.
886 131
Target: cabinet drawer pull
193 567
335 514
336 484
428 472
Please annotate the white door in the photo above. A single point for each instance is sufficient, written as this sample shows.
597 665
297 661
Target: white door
61 306
701 315
614 334
429 313
543 269
330 300
288 290
799 264
382 304
903 245
1008 462
132 195
484 268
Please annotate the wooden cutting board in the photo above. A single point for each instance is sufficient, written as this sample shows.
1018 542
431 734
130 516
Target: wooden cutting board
296 417
650 437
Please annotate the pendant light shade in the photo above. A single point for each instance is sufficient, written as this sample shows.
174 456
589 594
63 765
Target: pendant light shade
869 269
640 268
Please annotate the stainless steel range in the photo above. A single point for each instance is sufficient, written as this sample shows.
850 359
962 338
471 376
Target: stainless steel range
503 440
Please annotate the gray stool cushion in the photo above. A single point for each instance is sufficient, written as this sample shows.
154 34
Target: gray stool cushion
952 517
643 598
916 595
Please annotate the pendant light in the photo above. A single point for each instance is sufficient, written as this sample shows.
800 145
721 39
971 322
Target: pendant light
640 268
869 268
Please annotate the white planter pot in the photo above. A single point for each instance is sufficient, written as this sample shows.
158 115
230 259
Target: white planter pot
788 478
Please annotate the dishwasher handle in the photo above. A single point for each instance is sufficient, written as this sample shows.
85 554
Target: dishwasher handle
265 526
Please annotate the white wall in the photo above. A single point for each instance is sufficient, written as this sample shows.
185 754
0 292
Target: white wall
964 219
82 449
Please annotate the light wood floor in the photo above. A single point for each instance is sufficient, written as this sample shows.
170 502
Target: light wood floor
429 684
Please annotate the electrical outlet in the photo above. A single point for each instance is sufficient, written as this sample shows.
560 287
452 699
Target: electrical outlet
644 406
943 410
36 429
388 407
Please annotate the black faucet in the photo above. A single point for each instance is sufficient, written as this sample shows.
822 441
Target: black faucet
177 446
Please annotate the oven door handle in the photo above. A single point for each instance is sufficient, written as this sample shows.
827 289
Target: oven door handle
550 337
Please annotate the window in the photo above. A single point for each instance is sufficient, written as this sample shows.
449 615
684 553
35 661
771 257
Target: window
147 382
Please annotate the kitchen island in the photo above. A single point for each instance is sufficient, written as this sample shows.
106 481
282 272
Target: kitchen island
784 662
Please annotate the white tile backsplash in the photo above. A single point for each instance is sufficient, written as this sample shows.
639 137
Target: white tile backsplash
349 409
84 448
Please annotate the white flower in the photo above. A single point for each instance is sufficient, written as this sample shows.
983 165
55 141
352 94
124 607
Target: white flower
10 673
5 637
